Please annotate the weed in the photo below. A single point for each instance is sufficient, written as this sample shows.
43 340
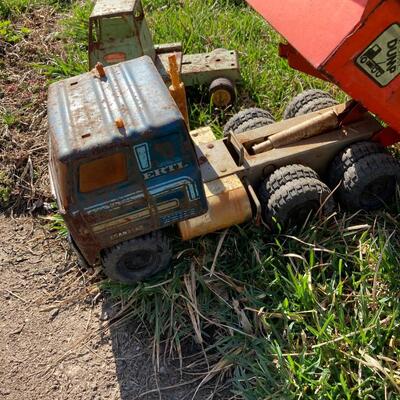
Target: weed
5 189
11 34
57 224
8 119
13 8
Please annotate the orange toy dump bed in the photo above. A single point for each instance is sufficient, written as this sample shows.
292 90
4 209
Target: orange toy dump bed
352 43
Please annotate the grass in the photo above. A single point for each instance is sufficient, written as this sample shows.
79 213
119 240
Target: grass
13 8
311 316
10 34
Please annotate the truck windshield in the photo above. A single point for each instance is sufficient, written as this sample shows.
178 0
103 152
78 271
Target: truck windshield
116 28
103 172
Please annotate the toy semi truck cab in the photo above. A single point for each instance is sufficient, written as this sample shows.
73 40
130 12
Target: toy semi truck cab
122 166
118 32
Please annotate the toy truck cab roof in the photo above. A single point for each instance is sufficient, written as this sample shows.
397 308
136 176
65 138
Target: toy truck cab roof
83 110
121 160
115 7
118 32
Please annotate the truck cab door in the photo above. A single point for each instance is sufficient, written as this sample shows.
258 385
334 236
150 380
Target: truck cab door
111 200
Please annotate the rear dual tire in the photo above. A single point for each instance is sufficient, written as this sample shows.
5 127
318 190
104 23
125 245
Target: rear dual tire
364 176
293 194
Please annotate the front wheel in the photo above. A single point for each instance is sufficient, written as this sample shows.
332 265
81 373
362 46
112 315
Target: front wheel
222 92
137 259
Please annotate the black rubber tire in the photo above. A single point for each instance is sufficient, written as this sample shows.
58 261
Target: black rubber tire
222 92
307 102
347 157
280 177
250 118
116 260
291 204
369 183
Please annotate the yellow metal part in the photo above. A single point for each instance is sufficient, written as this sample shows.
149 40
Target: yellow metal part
222 98
202 135
177 88
228 204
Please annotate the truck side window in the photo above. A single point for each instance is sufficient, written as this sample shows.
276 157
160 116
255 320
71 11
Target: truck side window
103 172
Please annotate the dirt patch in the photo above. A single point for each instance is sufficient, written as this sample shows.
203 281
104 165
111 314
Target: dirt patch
55 338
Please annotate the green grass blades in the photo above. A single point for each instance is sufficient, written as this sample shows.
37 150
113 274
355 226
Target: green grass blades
13 8
309 316
10 34
57 224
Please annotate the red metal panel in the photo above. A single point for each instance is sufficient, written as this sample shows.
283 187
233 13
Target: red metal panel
383 100
315 28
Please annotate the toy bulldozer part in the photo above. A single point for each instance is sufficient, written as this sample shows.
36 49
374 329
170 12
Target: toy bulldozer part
118 32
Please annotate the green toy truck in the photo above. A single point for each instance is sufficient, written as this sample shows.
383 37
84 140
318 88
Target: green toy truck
118 32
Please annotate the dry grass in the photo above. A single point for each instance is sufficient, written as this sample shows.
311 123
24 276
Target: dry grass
23 115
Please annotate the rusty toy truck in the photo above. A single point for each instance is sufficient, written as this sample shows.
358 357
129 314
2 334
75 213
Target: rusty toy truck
124 166
118 32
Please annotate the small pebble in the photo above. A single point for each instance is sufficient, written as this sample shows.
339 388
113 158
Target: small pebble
53 313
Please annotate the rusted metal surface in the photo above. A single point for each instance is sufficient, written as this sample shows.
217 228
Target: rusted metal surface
169 48
177 88
159 181
215 161
313 126
228 204
162 64
259 135
115 7
118 32
83 109
202 135
200 69
316 152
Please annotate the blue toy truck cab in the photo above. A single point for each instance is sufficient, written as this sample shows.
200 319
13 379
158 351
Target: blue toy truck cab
122 166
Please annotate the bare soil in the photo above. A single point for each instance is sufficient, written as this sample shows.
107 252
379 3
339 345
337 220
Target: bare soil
58 339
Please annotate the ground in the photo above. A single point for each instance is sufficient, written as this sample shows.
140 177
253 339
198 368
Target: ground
57 338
